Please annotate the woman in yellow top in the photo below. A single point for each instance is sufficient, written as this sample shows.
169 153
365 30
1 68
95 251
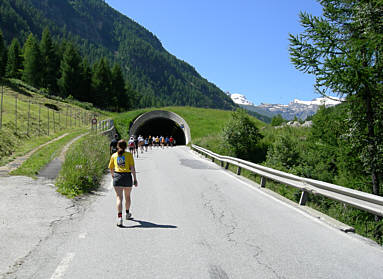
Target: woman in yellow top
121 167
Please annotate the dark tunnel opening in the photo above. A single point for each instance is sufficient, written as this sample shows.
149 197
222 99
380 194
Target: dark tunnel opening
162 127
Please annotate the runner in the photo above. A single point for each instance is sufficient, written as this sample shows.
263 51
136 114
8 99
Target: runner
162 141
167 143
121 167
171 140
146 144
157 141
136 145
113 144
141 143
131 145
150 142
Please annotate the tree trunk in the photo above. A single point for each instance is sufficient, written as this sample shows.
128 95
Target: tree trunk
372 144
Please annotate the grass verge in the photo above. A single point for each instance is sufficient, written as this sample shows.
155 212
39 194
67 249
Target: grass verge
39 159
84 166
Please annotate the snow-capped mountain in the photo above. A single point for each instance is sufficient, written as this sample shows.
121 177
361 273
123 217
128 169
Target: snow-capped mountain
300 109
239 99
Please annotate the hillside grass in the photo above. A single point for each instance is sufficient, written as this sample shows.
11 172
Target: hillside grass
64 116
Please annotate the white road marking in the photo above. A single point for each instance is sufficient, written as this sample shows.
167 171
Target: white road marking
82 235
63 266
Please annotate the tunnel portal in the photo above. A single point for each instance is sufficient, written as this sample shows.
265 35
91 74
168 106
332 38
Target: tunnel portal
162 123
162 127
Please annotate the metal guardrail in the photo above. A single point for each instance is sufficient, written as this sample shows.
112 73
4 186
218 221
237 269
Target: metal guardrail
358 199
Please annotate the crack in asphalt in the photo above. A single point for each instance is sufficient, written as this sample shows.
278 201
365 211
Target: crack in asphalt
78 208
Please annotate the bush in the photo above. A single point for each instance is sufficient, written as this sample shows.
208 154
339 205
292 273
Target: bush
84 166
240 136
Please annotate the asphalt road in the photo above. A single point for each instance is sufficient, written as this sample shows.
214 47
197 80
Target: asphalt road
194 220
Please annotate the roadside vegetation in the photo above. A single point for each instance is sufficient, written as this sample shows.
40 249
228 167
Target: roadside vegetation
84 166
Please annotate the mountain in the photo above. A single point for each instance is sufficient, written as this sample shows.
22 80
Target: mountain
98 30
296 108
243 102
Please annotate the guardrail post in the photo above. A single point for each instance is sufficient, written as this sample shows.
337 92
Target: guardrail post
226 166
212 159
221 164
263 181
239 171
303 198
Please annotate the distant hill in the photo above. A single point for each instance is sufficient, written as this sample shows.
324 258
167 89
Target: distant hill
99 30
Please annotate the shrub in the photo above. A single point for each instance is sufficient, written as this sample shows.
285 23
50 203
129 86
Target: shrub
84 166
240 136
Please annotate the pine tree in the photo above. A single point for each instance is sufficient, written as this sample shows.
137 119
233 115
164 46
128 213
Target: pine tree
3 55
118 91
50 62
101 84
86 82
70 68
343 49
32 62
15 60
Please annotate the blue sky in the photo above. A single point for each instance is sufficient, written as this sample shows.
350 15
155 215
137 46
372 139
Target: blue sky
241 46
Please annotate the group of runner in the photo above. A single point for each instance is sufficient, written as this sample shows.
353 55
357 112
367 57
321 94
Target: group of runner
143 143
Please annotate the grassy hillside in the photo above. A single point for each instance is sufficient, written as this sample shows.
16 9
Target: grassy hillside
22 102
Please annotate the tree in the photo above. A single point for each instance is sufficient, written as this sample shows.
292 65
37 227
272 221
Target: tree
118 91
101 83
86 82
50 62
70 68
15 60
3 55
277 120
343 49
240 136
32 62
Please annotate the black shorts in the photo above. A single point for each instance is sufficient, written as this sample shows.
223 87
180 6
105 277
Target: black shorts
122 179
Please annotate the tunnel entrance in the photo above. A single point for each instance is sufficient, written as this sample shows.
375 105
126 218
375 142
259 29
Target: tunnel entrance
162 123
162 127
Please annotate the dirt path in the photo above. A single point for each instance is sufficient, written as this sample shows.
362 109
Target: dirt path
52 169
5 170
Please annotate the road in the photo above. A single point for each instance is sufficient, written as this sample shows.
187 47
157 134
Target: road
194 220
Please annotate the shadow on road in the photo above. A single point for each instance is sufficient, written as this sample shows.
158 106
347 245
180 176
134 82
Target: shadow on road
144 224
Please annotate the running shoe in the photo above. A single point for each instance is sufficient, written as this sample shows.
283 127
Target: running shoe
119 221
128 216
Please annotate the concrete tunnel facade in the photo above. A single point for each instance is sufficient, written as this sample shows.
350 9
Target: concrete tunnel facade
162 123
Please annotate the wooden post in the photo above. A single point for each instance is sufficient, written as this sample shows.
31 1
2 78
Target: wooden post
54 124
1 106
29 116
39 120
66 118
48 121
226 166
16 113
